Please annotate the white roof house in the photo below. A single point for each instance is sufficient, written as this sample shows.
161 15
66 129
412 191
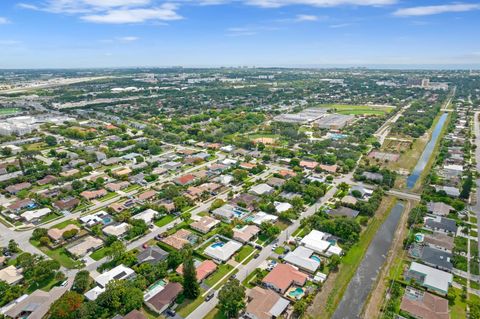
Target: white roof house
116 230
302 258
35 214
223 252
282 207
147 215
334 250
434 279
315 242
120 272
261 217
261 189
11 275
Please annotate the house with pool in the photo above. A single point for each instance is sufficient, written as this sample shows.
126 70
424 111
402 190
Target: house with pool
319 243
228 212
304 258
222 250
265 304
284 277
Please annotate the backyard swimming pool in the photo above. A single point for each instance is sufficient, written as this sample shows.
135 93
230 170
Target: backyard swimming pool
297 293
217 245
316 258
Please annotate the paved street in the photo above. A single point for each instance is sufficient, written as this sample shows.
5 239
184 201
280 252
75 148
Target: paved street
266 252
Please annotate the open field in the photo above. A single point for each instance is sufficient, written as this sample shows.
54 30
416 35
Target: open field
9 110
327 300
347 109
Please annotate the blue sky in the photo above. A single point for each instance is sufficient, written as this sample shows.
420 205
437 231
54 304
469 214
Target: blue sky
121 33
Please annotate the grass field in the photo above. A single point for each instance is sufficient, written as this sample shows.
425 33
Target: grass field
99 253
188 306
215 314
218 274
164 220
9 110
64 224
243 253
347 109
58 254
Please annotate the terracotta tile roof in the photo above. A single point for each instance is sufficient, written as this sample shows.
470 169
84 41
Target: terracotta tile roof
283 276
203 270
427 307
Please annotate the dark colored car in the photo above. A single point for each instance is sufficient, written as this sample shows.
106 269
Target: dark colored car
171 313
209 296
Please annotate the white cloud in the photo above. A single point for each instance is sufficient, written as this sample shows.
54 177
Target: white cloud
305 17
4 20
318 3
128 39
430 10
165 13
110 11
340 25
237 32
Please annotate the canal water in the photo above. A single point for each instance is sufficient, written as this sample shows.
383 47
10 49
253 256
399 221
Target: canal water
356 294
427 152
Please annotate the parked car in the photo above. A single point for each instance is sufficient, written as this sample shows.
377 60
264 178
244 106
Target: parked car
209 296
256 255
170 313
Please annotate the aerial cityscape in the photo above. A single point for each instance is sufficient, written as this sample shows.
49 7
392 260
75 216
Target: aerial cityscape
256 159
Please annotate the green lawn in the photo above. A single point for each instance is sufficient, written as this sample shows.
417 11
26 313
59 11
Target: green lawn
459 309
358 109
108 196
164 220
243 253
58 254
49 217
9 110
279 250
64 224
99 254
218 274
215 314
188 306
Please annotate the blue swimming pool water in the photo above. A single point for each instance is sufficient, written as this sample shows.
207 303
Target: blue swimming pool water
315 258
107 220
296 293
216 245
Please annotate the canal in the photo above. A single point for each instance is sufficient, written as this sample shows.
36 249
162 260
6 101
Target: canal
356 294
427 153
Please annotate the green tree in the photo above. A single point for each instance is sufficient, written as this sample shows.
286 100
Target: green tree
191 287
13 246
66 306
50 140
116 250
82 282
231 298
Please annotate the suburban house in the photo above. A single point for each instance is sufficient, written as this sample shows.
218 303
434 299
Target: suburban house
441 224
246 233
121 272
205 224
430 278
265 304
152 255
203 269
283 276
421 304
84 245
222 251
162 300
